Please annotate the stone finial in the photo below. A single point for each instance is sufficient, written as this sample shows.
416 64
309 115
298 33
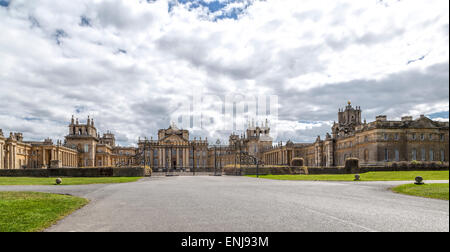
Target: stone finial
77 122
349 102
73 120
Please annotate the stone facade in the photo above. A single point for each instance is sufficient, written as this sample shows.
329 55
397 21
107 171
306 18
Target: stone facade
174 150
83 147
15 153
376 143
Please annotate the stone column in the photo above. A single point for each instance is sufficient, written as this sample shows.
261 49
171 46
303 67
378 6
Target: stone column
177 153
1 155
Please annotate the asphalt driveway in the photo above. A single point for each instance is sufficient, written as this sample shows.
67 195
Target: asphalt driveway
208 203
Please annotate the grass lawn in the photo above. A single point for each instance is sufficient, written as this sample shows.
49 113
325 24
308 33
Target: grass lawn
435 191
66 181
370 176
31 211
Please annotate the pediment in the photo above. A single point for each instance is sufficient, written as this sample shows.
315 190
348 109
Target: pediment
424 123
174 139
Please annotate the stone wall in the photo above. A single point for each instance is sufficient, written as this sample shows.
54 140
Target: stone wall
288 170
264 171
76 172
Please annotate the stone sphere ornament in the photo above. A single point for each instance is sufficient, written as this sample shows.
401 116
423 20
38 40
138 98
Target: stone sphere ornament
419 180
357 177
58 181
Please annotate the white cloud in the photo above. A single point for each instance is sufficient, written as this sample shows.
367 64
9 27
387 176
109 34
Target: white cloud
133 62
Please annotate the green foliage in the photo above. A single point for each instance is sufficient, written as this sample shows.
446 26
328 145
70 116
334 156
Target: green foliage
370 176
66 181
31 211
435 191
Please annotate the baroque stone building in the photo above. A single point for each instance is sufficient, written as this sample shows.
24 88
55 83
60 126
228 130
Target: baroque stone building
15 153
375 143
173 150
83 147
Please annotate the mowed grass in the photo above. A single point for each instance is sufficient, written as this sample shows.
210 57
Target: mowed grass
435 191
31 211
370 176
66 181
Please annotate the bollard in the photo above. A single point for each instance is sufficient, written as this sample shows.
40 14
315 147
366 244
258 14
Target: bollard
419 181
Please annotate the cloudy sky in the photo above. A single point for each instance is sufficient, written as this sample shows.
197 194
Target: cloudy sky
131 64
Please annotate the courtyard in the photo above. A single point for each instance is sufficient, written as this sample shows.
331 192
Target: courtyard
209 203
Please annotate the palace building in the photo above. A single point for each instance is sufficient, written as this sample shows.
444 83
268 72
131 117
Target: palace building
15 153
375 143
174 150
83 147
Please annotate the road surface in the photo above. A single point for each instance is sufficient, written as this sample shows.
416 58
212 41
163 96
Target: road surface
242 204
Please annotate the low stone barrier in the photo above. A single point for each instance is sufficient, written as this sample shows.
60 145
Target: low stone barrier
76 172
351 168
264 171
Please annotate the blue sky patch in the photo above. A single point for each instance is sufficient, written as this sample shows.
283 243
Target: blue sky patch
213 7
442 114
4 3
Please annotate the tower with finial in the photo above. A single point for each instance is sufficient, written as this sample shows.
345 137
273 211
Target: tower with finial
348 119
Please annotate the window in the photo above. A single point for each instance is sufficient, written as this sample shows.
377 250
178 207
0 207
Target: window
366 139
397 155
414 136
414 154
423 154
86 148
386 137
442 155
396 136
386 154
422 136
442 137
430 136
431 157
